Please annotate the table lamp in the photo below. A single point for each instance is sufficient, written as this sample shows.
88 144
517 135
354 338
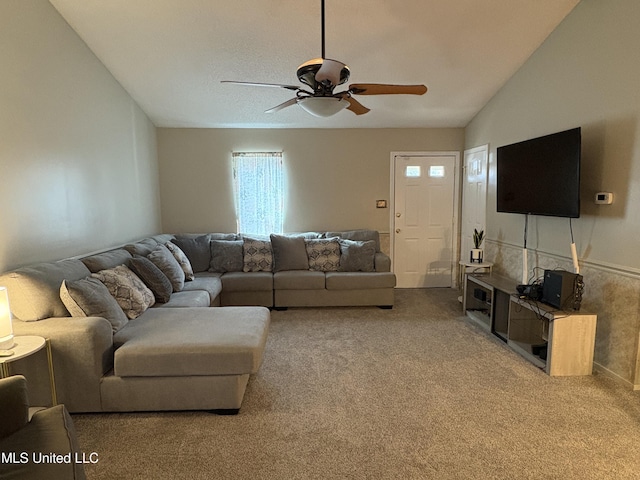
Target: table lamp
6 329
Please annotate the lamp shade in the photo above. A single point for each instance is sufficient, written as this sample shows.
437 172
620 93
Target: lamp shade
6 329
323 106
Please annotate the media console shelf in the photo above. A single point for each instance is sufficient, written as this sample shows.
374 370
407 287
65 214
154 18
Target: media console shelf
559 342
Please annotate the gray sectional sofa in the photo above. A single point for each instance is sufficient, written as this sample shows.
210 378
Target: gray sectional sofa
310 269
179 322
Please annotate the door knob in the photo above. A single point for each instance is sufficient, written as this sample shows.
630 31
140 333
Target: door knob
397 230
398 214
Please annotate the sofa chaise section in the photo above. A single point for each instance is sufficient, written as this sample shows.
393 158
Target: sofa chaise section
192 356
185 359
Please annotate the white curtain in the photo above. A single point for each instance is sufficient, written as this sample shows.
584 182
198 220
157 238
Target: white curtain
259 192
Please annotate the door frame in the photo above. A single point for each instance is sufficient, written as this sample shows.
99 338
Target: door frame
455 240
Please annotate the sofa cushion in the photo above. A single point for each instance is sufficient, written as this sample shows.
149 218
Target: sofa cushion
89 297
357 256
257 255
133 296
207 282
298 280
359 280
197 250
106 260
194 298
182 259
289 253
358 235
226 256
323 254
247 282
34 292
152 277
165 261
192 341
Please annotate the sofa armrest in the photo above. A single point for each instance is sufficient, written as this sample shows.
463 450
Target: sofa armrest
14 405
382 262
82 351
50 431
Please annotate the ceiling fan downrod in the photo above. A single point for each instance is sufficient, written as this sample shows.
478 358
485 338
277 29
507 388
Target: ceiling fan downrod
322 23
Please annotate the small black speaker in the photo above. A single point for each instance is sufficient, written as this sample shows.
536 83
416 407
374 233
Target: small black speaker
562 289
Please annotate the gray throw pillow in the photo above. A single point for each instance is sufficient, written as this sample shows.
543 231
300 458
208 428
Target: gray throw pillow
226 256
88 297
357 256
197 250
323 254
289 253
152 277
257 255
165 261
362 235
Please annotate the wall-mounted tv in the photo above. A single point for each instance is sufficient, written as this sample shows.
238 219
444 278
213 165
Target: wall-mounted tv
541 176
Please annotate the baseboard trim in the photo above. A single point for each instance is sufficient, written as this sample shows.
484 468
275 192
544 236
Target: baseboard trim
614 376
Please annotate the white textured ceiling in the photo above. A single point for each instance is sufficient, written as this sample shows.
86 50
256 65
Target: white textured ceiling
170 55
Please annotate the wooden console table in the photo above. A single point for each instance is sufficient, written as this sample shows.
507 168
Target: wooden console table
559 342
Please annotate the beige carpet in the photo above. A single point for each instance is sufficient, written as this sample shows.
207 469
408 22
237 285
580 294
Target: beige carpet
361 393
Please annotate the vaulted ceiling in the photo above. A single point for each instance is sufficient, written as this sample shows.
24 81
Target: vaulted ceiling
171 55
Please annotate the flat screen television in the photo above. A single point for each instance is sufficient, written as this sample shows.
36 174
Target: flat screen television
541 176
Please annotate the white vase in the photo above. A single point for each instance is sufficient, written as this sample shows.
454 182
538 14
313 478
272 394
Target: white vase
476 255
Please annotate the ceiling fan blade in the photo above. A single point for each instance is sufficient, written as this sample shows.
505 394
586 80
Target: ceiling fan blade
256 84
330 70
286 104
384 89
355 106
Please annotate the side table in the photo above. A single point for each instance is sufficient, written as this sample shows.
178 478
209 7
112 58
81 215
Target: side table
473 267
24 346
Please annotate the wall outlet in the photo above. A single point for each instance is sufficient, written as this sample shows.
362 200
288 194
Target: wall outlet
604 198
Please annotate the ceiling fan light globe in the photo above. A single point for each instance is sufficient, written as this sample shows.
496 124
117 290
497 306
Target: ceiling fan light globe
323 106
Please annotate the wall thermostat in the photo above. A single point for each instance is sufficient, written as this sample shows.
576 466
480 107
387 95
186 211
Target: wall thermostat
604 198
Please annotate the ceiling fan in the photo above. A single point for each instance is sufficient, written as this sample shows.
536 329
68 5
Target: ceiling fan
322 76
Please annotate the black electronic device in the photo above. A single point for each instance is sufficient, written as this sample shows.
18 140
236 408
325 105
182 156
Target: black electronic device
541 176
562 289
534 291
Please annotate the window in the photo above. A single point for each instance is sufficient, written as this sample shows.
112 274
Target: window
259 192
412 171
436 171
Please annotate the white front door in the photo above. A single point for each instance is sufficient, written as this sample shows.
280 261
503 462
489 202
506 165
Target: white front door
424 221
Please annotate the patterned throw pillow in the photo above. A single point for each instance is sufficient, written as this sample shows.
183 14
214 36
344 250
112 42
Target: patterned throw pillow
182 259
323 254
257 255
130 292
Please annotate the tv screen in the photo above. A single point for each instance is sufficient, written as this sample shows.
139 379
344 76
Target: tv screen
541 176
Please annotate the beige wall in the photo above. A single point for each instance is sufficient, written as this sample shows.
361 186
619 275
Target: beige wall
77 156
585 74
334 176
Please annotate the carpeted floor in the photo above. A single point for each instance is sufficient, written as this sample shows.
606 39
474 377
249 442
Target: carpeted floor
415 392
